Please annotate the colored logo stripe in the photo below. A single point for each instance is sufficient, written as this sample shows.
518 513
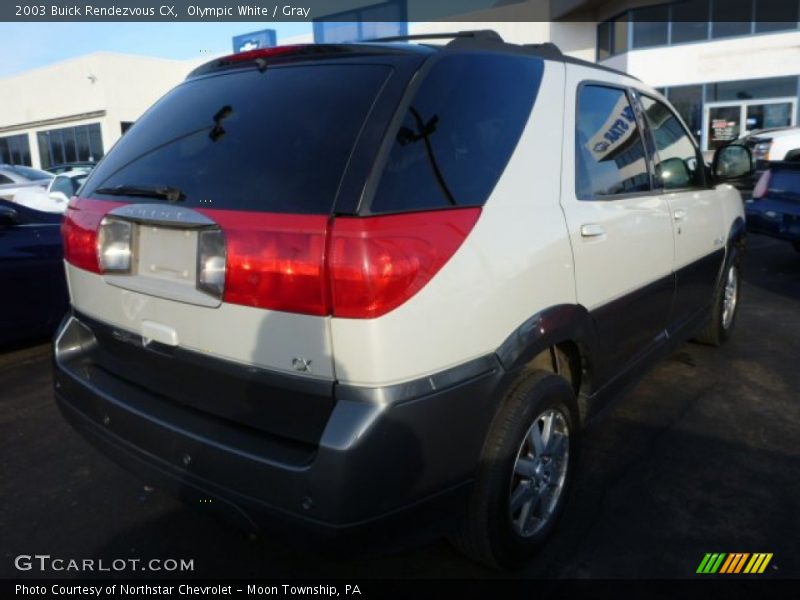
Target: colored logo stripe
711 562
735 562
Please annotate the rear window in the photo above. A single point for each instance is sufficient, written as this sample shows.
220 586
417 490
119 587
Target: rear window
785 183
272 141
459 132
30 173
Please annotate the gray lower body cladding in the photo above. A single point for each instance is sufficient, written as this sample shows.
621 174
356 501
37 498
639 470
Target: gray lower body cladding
381 451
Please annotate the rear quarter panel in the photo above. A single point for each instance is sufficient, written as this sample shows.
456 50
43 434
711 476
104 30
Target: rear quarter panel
515 262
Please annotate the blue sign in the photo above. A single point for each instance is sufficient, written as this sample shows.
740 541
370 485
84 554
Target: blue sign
266 38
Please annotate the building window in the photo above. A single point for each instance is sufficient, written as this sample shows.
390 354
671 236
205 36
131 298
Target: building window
612 37
688 101
70 144
650 26
690 21
386 19
738 18
684 21
776 15
15 150
751 89
603 40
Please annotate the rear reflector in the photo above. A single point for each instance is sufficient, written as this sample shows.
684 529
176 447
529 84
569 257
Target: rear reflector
80 230
378 263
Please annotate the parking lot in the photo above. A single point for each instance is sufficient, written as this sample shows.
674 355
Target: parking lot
702 456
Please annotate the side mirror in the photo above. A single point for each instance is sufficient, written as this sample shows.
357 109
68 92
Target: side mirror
732 162
675 173
8 216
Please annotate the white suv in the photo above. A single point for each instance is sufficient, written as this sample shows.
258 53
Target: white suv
337 286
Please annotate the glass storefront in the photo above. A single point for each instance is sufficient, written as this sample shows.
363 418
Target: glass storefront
70 144
718 113
15 150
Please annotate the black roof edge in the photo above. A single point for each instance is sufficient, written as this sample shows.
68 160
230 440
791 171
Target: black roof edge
477 39
489 39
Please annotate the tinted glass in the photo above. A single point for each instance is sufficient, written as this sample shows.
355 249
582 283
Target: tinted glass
31 174
689 21
732 17
785 183
65 185
604 40
609 150
650 26
677 164
776 15
620 34
274 141
773 87
459 132
688 101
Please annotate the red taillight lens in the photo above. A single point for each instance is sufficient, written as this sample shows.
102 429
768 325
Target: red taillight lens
377 263
762 186
79 232
275 261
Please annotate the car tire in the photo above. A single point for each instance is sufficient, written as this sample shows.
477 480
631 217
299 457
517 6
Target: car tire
493 532
725 308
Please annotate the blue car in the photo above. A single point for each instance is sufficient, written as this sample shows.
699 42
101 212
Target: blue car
34 288
775 207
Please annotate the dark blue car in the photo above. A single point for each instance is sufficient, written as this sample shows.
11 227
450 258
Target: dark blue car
775 207
34 290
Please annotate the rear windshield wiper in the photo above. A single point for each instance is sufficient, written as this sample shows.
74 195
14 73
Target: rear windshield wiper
170 194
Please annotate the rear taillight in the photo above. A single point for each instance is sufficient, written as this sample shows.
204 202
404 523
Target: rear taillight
760 190
377 263
348 267
80 232
275 261
356 267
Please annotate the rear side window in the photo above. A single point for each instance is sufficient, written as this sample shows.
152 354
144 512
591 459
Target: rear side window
678 165
785 183
458 133
272 141
610 156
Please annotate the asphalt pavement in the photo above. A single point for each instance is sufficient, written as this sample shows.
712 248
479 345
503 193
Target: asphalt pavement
702 456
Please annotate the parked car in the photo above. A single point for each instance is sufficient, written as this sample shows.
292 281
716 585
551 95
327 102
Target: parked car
453 259
13 178
84 166
32 272
55 197
775 207
768 145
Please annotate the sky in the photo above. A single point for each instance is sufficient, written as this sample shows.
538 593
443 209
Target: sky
30 45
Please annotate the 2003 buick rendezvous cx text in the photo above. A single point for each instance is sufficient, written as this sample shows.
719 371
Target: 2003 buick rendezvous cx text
338 285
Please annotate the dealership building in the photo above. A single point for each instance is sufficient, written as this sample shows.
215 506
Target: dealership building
725 77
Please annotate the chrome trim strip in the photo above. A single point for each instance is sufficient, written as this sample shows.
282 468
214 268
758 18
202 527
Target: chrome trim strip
162 214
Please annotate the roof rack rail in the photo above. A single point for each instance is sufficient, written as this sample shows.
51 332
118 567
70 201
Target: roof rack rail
547 50
477 34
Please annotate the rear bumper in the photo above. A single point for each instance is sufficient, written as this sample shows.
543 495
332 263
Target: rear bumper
771 221
385 455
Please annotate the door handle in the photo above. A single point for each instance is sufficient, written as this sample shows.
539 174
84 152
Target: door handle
679 214
592 230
